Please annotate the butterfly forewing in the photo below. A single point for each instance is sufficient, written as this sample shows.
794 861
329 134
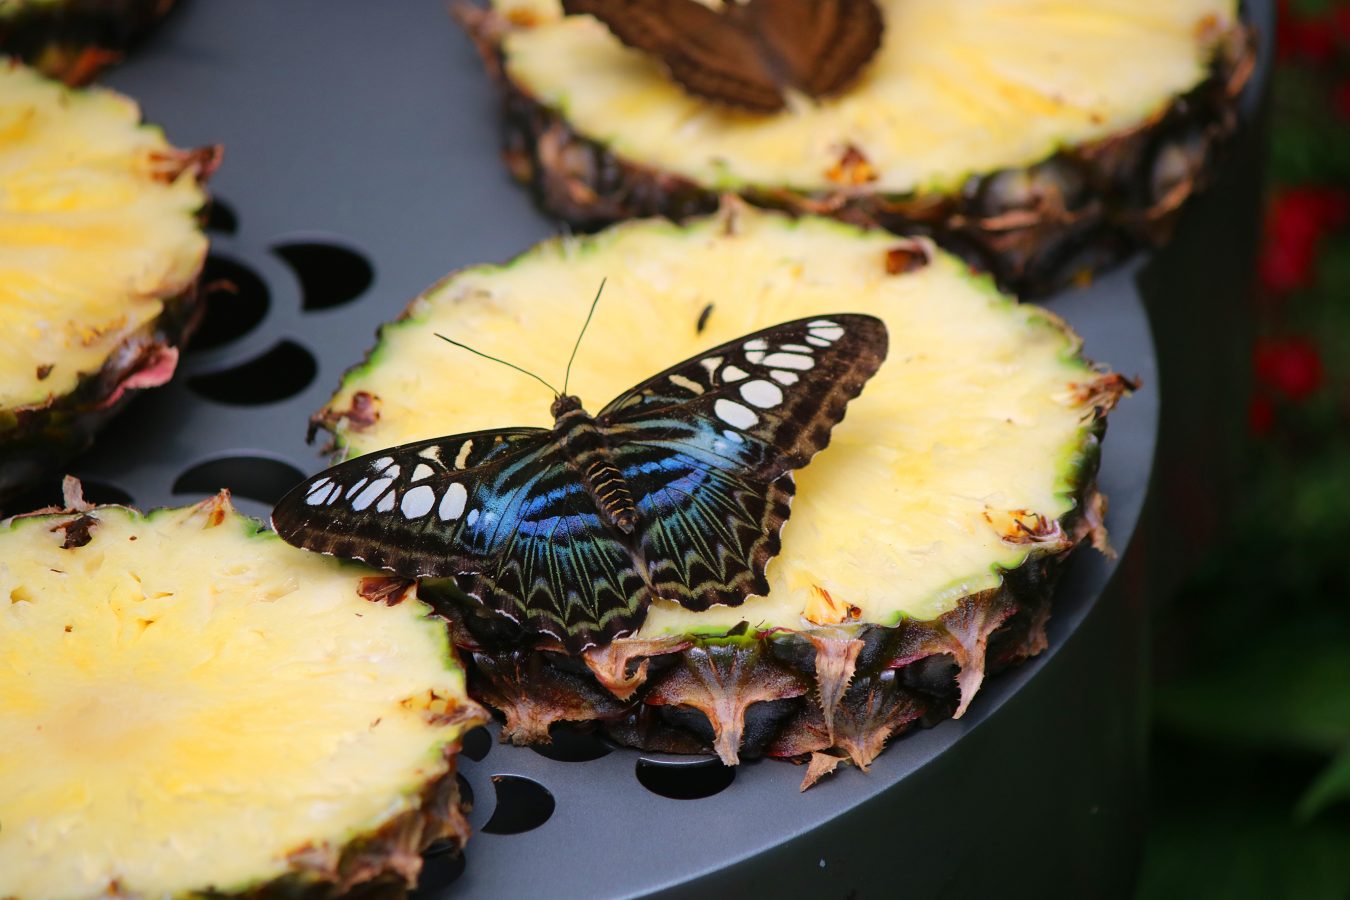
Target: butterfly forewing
431 508
706 446
781 389
819 45
499 510
743 55
706 51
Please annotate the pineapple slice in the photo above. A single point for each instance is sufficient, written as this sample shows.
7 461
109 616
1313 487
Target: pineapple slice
190 706
930 529
1041 138
74 39
100 250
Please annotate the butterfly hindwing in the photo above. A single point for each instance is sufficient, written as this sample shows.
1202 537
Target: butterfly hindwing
559 570
707 447
709 528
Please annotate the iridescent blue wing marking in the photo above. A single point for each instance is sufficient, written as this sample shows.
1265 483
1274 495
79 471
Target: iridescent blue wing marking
501 510
560 569
707 448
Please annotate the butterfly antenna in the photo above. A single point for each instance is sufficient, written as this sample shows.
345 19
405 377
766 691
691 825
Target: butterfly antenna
568 377
502 361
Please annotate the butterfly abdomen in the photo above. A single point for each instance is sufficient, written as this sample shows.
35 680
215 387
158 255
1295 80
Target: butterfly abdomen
590 456
611 493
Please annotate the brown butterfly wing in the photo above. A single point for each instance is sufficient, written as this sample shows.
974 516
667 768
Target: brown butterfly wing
819 46
708 53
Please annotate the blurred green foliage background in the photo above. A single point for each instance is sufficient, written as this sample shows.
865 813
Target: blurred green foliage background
1251 733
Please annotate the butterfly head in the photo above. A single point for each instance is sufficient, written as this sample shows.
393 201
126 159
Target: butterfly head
564 404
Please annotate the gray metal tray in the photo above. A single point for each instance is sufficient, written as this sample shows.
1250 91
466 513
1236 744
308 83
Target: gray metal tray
361 145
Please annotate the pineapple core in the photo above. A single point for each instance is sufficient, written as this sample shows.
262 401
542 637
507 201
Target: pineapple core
956 89
978 418
186 702
98 226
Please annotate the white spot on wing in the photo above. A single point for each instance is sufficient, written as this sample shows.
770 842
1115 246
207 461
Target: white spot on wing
373 490
351 491
735 414
432 452
422 471
688 384
756 344
379 465
463 455
761 393
321 483
789 361
324 493
782 377
819 342
734 373
754 356
452 504
386 503
797 348
826 329
711 363
472 518
418 501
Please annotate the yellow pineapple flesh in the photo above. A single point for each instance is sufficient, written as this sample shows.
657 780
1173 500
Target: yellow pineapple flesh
1042 141
100 250
931 527
187 705
974 413
955 90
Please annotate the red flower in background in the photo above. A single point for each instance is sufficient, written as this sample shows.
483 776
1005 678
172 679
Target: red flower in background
1290 366
1312 38
1295 224
1261 415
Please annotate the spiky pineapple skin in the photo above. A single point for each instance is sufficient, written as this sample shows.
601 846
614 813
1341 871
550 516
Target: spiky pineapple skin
916 672
1035 229
73 40
384 862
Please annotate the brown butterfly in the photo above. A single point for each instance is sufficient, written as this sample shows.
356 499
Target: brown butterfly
747 54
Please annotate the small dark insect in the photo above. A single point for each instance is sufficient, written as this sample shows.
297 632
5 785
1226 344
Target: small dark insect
703 319
677 489
747 54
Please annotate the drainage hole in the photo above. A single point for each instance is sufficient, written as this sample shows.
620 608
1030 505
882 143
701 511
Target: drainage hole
685 781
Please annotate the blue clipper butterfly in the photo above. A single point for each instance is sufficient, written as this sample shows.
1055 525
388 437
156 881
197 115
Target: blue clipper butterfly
677 489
